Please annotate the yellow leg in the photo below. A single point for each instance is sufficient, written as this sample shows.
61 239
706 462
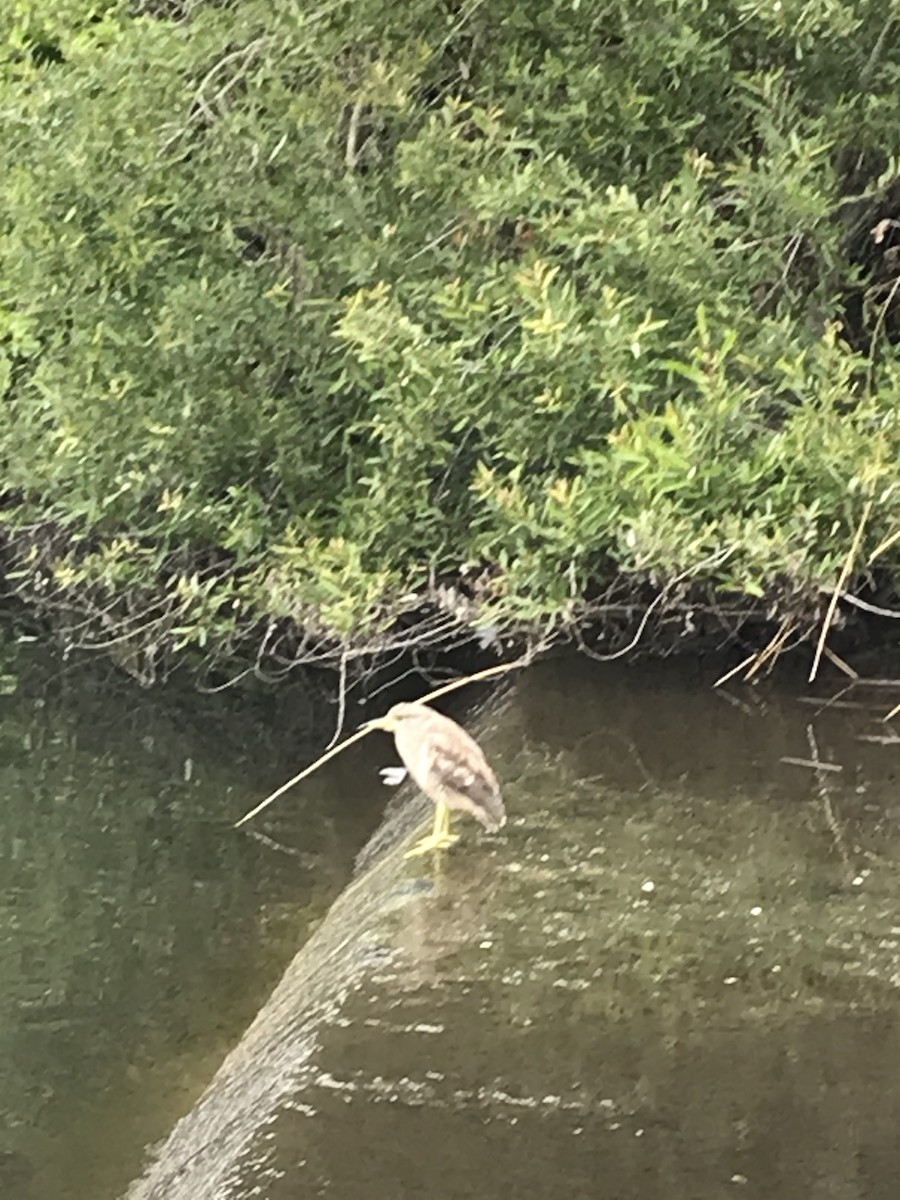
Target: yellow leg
439 838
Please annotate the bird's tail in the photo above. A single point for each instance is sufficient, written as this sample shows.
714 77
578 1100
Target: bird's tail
493 814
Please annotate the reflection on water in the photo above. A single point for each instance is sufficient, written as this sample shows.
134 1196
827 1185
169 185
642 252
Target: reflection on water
138 932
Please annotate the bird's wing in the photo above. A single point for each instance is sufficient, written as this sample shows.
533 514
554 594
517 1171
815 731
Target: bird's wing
457 770
469 777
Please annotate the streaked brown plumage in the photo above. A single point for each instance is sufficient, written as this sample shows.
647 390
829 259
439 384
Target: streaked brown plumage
448 765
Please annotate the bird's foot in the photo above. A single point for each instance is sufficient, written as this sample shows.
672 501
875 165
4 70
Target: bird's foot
439 841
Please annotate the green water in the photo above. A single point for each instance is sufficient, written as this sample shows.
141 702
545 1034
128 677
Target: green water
138 932
675 973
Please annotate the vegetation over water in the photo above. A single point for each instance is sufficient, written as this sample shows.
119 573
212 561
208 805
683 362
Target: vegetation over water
317 319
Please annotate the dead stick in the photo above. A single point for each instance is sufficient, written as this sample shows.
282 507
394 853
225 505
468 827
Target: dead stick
773 649
354 737
883 546
839 587
734 670
840 664
488 673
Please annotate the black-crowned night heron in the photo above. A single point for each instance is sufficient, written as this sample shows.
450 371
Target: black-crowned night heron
448 766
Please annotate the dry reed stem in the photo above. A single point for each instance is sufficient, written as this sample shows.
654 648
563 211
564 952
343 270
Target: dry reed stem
880 549
773 649
839 587
323 758
756 660
734 670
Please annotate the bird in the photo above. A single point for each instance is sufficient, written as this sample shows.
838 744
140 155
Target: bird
448 766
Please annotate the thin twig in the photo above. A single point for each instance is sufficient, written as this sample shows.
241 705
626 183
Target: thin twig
489 673
712 560
837 661
814 763
867 73
273 845
648 611
875 609
342 702
876 332
755 661
740 705
795 241
774 647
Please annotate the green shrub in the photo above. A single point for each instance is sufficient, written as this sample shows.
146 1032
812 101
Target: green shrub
304 310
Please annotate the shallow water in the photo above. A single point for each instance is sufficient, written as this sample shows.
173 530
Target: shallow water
674 973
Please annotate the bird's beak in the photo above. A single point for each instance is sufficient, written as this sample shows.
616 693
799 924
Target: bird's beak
377 723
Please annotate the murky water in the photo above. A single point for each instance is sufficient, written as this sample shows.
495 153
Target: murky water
139 933
676 973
